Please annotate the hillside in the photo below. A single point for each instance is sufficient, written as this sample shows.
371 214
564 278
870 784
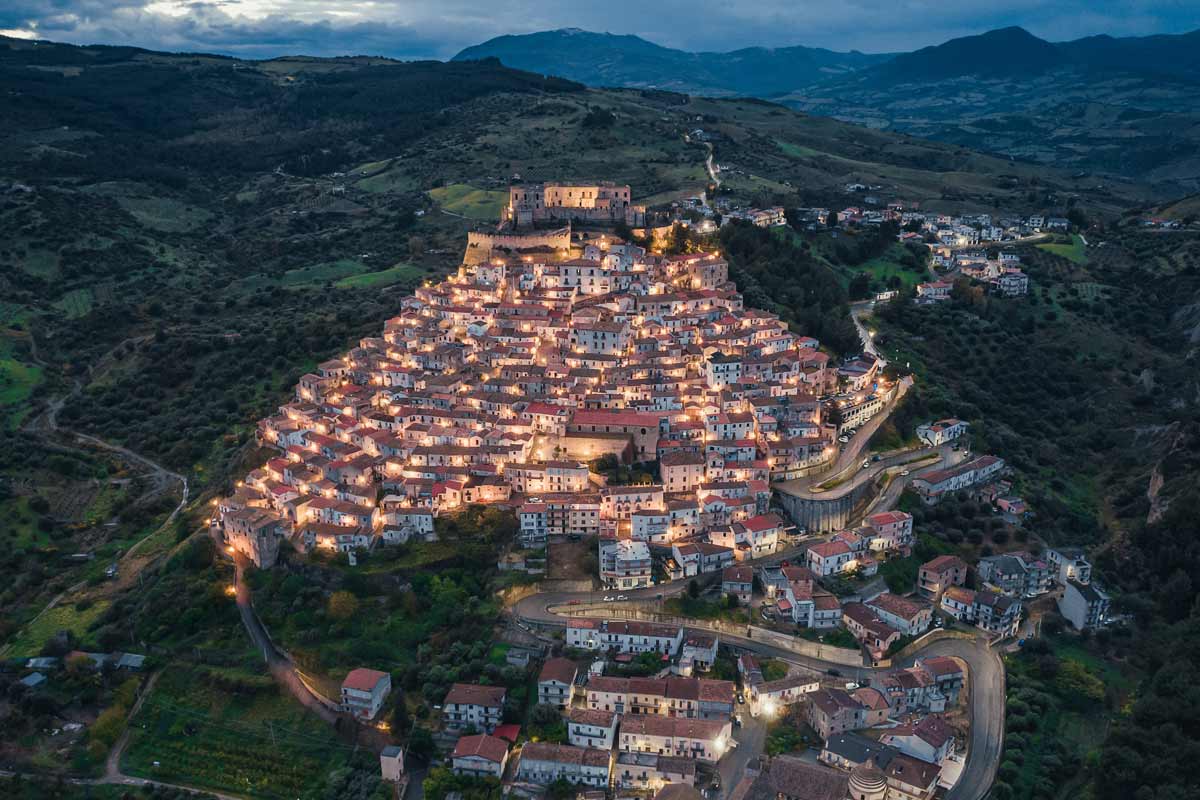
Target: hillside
1121 107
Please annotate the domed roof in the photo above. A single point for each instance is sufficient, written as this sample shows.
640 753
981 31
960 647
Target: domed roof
867 779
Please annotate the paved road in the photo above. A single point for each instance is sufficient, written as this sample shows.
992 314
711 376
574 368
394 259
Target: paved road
856 475
850 457
752 740
280 666
986 685
857 312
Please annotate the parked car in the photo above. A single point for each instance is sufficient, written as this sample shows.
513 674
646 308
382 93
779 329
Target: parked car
608 598
844 439
622 597
904 472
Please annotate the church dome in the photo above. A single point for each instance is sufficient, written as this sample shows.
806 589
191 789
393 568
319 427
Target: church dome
867 782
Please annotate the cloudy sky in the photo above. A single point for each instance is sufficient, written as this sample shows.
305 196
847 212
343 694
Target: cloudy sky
440 28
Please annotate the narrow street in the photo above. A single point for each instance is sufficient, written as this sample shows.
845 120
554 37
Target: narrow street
751 739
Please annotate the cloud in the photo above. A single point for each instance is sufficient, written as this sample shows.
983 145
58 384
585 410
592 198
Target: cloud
439 28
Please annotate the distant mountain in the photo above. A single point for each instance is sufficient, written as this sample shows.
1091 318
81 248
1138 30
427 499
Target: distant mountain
1004 52
606 59
1128 107
1011 52
1177 55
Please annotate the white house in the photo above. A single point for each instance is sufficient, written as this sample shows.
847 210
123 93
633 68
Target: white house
480 756
701 739
556 682
1083 604
588 727
363 692
939 433
543 763
471 705
623 637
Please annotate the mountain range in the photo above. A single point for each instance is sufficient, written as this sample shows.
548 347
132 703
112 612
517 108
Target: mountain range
606 59
1122 107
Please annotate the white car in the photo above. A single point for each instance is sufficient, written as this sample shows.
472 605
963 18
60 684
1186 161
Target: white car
622 597
904 472
608 598
843 439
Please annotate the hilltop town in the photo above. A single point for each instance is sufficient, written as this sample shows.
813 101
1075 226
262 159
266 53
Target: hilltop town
607 393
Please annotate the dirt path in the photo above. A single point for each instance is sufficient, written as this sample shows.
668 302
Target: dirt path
112 765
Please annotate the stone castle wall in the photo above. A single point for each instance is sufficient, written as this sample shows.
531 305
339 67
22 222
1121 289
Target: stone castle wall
481 245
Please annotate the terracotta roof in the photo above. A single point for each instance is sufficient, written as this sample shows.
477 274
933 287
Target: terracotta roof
654 725
562 670
788 776
490 748
363 679
900 606
565 754
470 694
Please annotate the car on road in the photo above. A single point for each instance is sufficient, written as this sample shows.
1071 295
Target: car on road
622 597
741 698
608 598
904 473
876 457
866 463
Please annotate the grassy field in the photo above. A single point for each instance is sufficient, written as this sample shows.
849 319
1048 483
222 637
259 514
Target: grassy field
326 272
75 303
18 524
41 264
256 743
796 150
386 277
883 268
17 382
464 199
62 617
1073 252
165 214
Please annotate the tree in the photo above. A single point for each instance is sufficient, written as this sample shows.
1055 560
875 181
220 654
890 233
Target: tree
693 589
860 286
342 605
